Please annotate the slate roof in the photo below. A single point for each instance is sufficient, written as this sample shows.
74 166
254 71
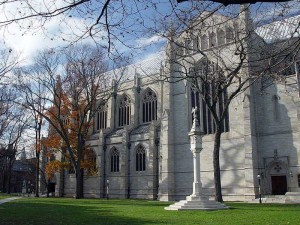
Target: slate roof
280 30
117 133
147 67
141 129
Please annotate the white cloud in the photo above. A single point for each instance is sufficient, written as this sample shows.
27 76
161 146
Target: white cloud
30 36
267 12
59 30
142 42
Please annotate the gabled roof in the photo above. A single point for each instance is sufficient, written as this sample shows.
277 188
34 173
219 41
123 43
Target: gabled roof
280 30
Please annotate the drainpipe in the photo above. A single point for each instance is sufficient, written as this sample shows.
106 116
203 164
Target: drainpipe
157 169
104 169
128 171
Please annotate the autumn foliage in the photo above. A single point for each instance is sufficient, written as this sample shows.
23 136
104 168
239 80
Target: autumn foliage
66 118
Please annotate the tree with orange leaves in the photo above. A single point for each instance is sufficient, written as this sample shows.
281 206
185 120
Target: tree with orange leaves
70 102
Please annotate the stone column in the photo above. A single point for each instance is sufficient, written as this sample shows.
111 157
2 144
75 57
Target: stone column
196 201
196 147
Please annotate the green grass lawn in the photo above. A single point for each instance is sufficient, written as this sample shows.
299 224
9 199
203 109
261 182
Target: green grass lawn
4 195
99 211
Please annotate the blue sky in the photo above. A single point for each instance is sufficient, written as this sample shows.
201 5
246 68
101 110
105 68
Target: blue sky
137 26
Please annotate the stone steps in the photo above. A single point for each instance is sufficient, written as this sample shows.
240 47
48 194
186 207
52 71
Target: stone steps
289 197
196 203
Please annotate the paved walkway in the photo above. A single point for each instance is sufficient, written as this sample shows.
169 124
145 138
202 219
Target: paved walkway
8 199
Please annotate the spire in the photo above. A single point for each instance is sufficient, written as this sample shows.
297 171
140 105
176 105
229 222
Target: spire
171 31
245 16
170 35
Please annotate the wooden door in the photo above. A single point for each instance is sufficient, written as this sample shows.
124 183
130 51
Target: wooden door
279 185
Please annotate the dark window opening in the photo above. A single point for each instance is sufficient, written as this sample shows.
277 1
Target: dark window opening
101 118
124 111
114 161
140 159
149 106
204 115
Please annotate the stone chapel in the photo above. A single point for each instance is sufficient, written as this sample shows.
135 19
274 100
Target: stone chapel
140 136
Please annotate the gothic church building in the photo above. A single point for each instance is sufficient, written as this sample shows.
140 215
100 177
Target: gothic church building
140 137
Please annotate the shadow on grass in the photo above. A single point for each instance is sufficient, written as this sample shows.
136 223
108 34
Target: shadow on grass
68 211
63 211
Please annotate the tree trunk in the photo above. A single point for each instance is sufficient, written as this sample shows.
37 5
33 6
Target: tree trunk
61 183
37 178
61 189
48 183
5 171
79 170
216 162
79 183
8 180
4 181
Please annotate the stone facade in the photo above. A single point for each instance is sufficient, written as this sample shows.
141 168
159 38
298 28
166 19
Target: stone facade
263 136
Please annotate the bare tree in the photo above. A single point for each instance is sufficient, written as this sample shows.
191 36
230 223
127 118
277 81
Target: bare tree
70 98
228 2
11 121
113 21
8 61
10 140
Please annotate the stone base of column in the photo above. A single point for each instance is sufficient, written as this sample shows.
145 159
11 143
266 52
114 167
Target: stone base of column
197 203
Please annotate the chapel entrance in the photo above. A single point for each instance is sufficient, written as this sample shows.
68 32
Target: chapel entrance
279 185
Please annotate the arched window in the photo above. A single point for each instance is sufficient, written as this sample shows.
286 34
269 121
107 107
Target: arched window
229 34
124 111
276 108
114 160
70 167
188 46
221 37
101 117
204 42
212 39
180 49
195 44
65 120
203 88
140 159
149 106
90 162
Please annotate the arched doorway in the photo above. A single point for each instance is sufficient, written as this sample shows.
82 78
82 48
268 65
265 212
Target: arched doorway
277 171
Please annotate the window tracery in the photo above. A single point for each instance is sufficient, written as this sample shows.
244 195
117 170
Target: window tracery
140 158
124 111
149 106
200 88
229 34
90 160
221 37
114 160
101 117
204 42
212 39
